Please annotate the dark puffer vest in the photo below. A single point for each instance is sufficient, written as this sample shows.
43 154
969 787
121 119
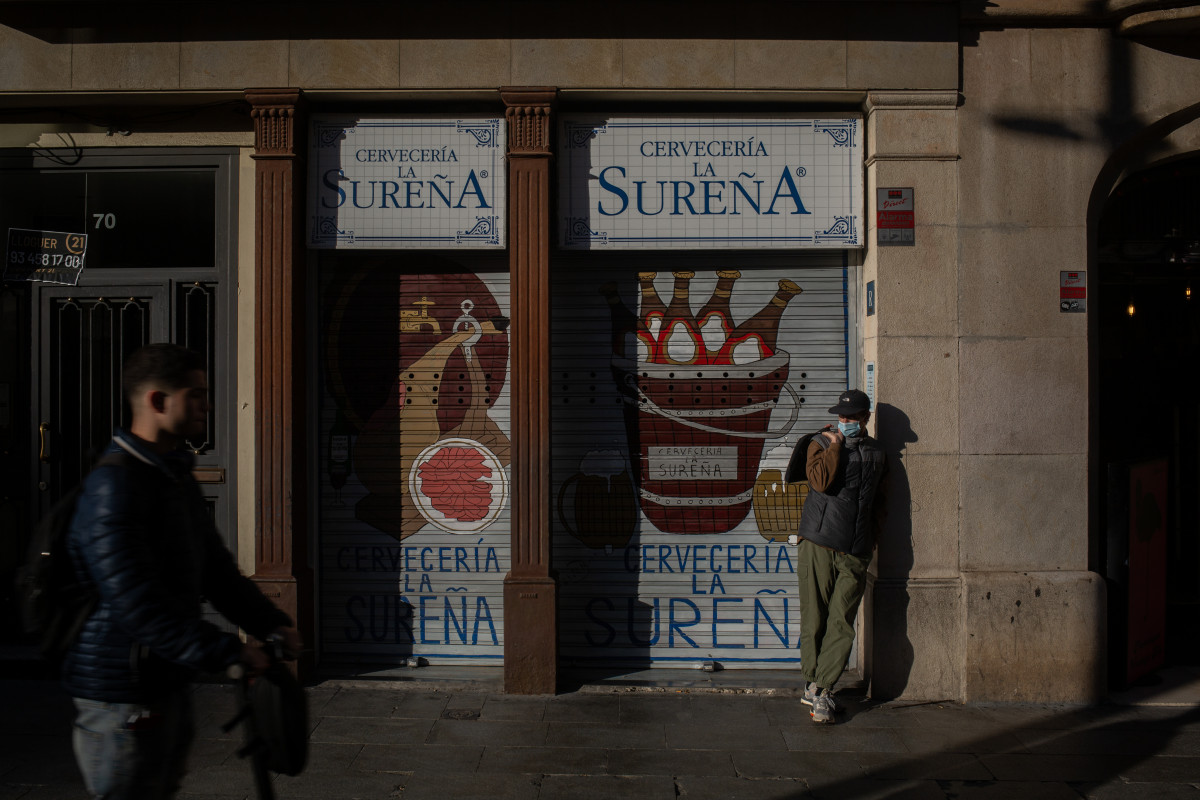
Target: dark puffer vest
144 538
840 518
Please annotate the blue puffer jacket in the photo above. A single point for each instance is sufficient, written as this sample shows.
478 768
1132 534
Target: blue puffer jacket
143 537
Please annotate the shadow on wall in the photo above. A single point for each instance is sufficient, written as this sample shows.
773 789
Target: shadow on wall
892 651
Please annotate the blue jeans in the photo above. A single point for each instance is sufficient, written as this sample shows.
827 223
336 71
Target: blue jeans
131 751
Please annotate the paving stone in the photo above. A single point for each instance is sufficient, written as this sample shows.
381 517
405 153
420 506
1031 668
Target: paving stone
451 731
329 757
234 777
1011 716
208 726
613 737
499 706
931 766
606 787
732 710
1006 790
545 760
421 705
921 715
670 762
798 764
342 785
864 789
211 753
785 711
926 739
843 738
578 707
400 758
700 735
1161 769
480 786
1069 768
363 703
367 730
1092 741
666 709
467 700
693 787
1122 790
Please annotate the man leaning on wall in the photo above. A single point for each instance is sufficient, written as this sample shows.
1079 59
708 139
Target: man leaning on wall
838 530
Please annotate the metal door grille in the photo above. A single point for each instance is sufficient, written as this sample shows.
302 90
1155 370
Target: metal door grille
195 329
90 338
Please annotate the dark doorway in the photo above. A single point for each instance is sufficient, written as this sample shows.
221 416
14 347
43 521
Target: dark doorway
159 266
1149 414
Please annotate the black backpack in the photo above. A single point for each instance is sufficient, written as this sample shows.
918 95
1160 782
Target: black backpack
54 603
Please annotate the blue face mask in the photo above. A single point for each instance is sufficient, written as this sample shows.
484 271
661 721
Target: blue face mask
850 429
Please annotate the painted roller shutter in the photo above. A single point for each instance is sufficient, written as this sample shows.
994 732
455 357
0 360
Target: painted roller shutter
414 457
671 515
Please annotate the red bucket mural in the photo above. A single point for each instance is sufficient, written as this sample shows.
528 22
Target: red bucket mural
700 434
699 397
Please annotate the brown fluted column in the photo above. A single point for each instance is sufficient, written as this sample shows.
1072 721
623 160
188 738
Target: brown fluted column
280 528
530 621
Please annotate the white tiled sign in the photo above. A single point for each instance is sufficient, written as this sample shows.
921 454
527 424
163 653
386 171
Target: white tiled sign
406 183
783 181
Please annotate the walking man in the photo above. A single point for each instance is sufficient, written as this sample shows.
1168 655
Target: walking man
143 538
838 528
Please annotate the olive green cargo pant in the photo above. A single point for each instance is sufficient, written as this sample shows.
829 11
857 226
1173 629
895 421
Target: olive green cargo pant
831 587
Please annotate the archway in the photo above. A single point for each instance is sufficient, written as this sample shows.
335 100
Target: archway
1148 408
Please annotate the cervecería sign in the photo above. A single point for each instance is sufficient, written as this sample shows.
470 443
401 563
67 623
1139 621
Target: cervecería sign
406 183
784 181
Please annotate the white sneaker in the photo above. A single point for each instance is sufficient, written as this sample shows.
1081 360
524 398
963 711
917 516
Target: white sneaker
822 707
810 691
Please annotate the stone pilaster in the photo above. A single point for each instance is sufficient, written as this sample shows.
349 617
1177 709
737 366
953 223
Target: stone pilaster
914 610
530 619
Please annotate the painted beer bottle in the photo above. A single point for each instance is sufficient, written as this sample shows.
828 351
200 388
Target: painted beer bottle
680 340
715 320
755 338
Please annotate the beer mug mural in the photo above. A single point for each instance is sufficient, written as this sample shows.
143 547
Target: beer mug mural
597 504
699 393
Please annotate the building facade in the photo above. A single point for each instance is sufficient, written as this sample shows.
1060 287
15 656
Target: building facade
514 314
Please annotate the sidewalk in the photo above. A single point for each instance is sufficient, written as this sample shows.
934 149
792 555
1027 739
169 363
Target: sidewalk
441 739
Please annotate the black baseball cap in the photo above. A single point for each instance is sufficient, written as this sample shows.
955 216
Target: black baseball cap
851 401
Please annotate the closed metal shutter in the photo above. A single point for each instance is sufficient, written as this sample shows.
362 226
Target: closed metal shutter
670 440
414 455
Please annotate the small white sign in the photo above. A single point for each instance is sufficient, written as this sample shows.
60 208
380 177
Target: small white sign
870 383
406 183
691 463
786 181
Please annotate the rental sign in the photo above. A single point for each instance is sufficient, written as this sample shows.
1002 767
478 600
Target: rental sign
785 181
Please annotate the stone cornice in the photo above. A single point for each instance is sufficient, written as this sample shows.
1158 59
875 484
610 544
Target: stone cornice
938 100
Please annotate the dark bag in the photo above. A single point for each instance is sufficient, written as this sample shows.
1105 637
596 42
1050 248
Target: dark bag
797 469
54 603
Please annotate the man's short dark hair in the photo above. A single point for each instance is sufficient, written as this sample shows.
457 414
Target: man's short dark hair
162 364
